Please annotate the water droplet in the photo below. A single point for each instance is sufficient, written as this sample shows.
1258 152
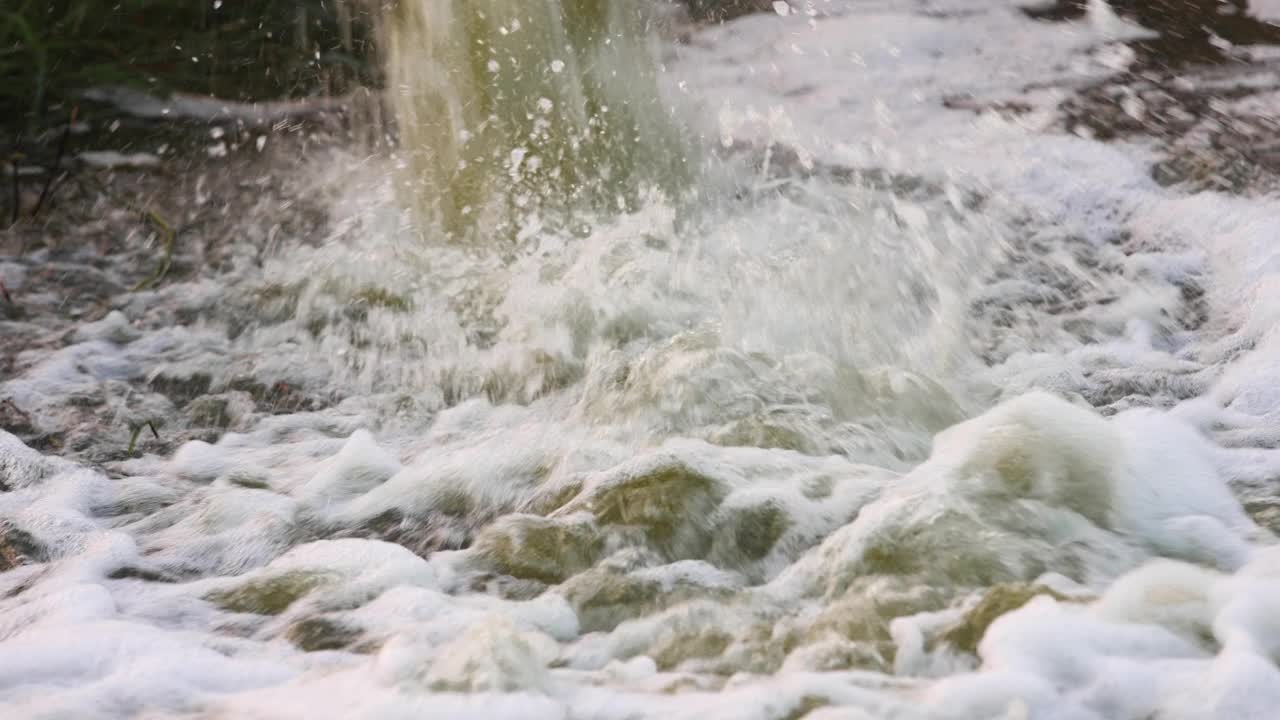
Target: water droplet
557 66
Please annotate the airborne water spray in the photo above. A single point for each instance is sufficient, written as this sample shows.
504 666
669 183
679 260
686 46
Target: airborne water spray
517 114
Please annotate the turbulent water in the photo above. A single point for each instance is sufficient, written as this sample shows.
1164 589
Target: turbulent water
904 412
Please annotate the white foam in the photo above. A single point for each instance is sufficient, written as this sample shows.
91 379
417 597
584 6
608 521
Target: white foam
826 319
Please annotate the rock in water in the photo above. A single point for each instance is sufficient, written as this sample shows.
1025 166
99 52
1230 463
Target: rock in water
491 656
18 547
1177 21
719 10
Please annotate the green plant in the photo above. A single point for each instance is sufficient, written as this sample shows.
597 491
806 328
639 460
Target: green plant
241 49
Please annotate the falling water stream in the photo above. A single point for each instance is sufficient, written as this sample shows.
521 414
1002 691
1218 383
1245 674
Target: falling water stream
512 114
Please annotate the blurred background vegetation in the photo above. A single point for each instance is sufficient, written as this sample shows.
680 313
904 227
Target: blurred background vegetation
235 49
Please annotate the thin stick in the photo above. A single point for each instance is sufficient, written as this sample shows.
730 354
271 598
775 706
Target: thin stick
57 185
137 430
17 194
167 232
57 162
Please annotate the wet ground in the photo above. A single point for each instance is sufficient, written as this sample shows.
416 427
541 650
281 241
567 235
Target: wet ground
136 211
